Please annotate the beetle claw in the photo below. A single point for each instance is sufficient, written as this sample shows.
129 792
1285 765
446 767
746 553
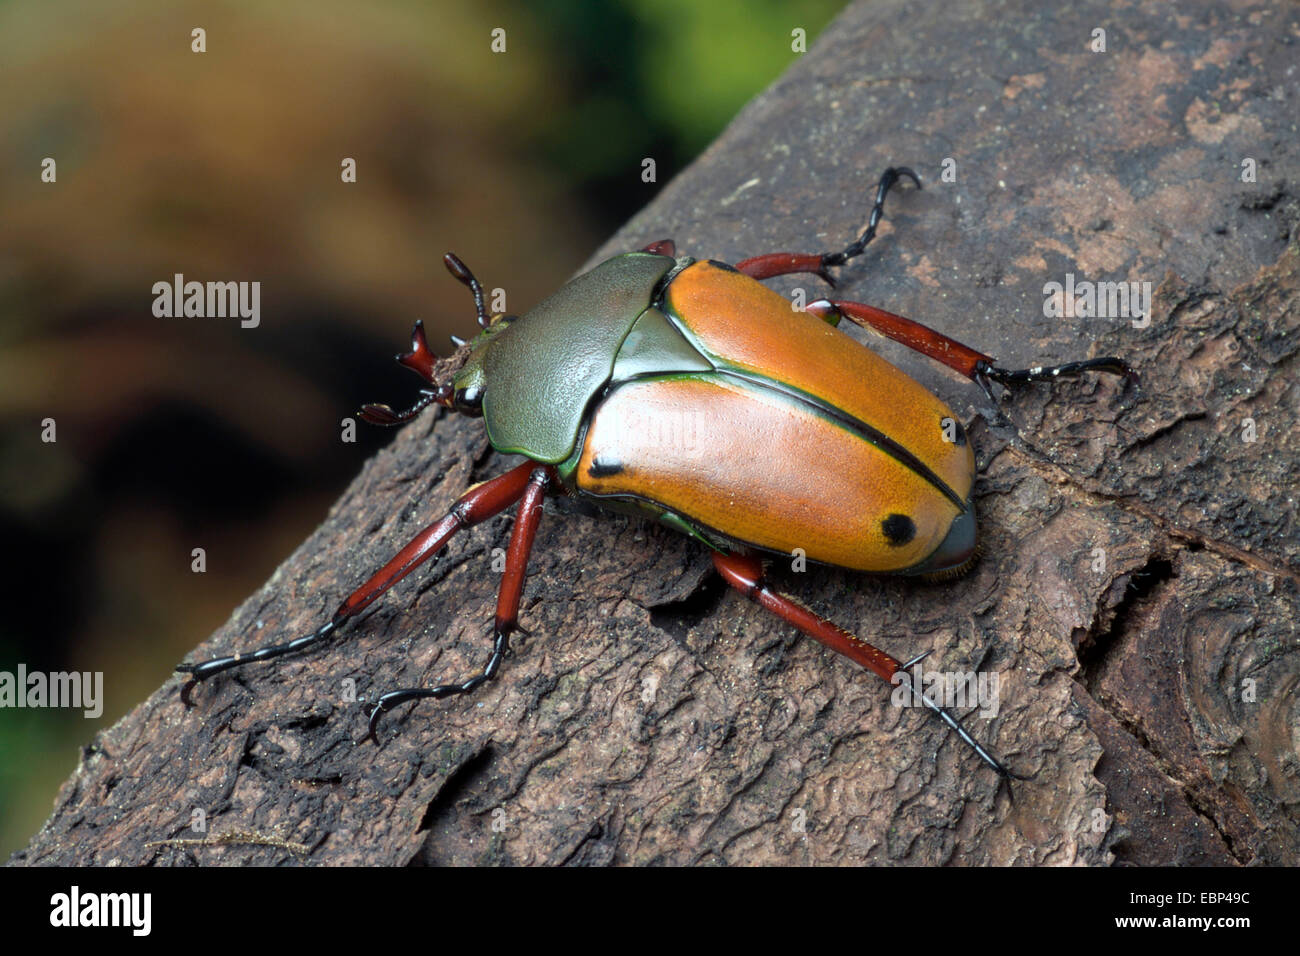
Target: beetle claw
372 728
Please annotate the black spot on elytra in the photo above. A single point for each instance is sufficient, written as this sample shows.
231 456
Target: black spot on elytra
725 266
898 529
604 466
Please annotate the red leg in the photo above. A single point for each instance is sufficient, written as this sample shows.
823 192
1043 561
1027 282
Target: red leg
784 264
541 479
661 247
745 574
477 504
914 335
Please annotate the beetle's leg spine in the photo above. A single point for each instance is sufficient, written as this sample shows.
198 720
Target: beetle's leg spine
541 481
476 505
420 359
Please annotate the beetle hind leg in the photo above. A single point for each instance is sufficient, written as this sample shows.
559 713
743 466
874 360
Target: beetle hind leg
745 574
541 480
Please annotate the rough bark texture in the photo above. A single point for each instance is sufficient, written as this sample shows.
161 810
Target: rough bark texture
654 717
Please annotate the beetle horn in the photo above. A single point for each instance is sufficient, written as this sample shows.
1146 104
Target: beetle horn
420 359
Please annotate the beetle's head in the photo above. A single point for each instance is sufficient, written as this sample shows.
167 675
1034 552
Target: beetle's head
465 385
462 385
457 381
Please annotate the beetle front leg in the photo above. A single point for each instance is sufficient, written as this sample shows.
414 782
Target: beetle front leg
819 263
422 362
541 480
476 505
745 574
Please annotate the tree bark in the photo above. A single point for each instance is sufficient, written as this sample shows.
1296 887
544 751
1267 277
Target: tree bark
1137 594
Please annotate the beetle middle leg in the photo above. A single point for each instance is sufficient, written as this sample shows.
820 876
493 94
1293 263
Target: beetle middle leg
819 263
745 574
476 505
541 480
964 359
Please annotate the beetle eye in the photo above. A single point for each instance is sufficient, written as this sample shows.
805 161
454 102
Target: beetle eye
469 401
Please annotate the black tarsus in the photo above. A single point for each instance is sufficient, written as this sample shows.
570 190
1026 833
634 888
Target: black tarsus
986 374
500 649
887 180
956 726
202 671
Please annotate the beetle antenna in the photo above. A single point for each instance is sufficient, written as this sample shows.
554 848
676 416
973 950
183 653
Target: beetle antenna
887 180
461 273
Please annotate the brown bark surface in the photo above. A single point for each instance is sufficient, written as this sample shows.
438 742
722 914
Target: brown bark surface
654 717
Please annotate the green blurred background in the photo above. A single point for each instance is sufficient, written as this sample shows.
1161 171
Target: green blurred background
183 433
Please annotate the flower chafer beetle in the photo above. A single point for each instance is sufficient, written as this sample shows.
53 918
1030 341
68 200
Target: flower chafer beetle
686 391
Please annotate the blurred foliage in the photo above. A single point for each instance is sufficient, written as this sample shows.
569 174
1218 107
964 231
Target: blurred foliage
183 433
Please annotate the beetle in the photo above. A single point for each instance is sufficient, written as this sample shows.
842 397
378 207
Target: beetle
686 391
